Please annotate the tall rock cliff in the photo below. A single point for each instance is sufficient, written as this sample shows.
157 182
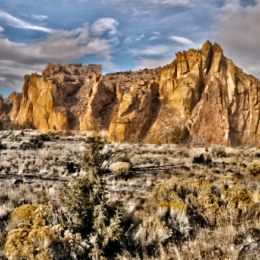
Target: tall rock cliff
206 93
200 98
3 112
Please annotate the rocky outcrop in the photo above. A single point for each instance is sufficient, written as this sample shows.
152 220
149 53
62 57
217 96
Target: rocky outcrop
37 107
229 109
3 112
2 106
206 93
14 101
200 98
55 100
137 102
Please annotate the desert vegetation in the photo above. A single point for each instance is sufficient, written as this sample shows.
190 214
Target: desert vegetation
79 197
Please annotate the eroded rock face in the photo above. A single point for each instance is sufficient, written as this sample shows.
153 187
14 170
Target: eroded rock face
2 105
136 106
201 92
229 109
205 92
14 101
37 107
3 112
55 100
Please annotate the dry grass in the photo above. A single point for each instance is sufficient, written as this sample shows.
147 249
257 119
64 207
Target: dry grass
177 203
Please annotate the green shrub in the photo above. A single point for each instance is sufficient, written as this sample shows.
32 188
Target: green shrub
84 202
89 214
80 198
94 157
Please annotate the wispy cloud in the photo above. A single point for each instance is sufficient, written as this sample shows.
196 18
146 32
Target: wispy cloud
105 25
172 2
133 39
240 39
153 3
153 38
128 40
156 50
139 37
21 24
181 40
40 17
153 63
17 59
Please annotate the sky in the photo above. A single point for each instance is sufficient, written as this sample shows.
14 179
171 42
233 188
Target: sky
121 34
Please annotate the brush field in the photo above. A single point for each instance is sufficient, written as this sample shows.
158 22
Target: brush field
59 200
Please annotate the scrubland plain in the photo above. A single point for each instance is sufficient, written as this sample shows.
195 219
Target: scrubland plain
79 197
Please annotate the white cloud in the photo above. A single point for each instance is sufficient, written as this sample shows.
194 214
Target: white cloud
139 38
62 46
139 12
237 29
128 40
21 24
153 38
156 50
153 63
154 3
40 17
181 40
105 25
70 45
18 59
172 2
133 39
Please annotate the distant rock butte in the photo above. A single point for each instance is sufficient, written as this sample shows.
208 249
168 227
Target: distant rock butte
201 98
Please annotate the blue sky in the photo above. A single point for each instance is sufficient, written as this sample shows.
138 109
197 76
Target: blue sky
121 34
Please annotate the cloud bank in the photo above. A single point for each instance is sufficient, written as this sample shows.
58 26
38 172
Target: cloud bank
18 59
237 29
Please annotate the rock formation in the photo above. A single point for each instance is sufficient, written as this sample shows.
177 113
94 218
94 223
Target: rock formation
3 112
200 98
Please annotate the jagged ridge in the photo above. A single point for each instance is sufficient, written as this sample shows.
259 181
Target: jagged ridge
201 97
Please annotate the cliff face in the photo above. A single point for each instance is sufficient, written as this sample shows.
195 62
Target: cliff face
3 112
201 97
205 92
